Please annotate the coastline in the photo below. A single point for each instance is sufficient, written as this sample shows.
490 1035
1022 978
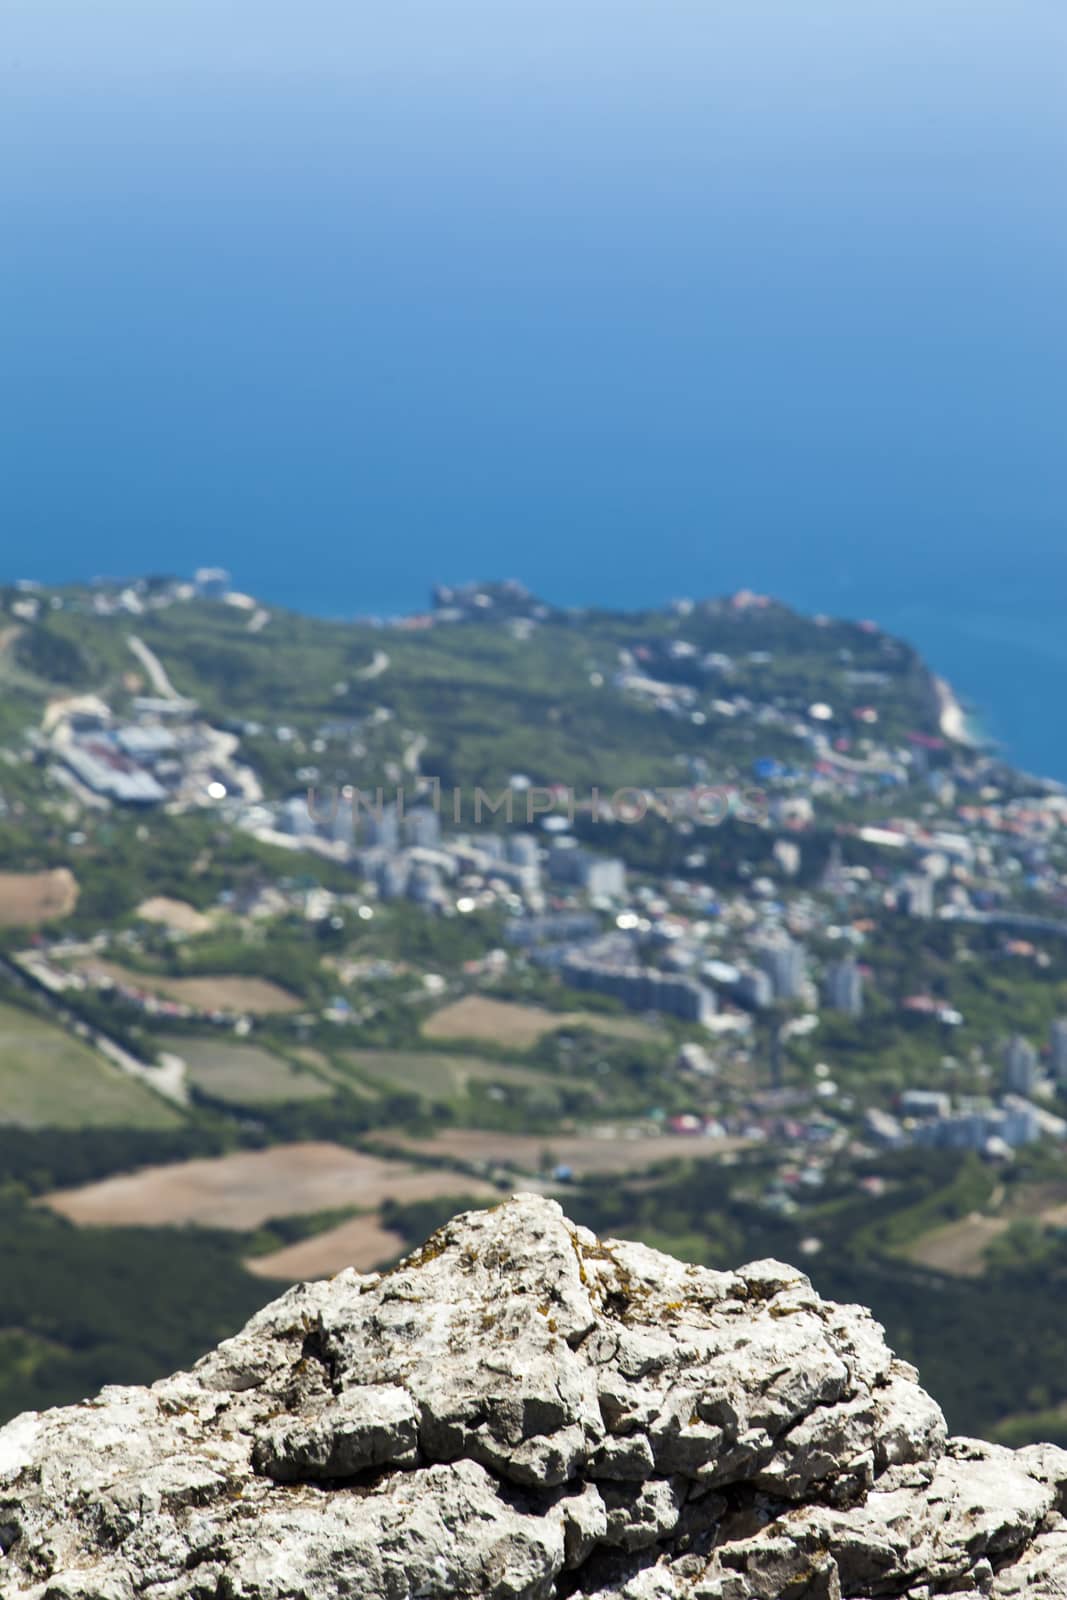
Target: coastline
957 725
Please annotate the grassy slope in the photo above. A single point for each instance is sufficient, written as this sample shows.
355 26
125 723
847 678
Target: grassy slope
244 1074
48 1078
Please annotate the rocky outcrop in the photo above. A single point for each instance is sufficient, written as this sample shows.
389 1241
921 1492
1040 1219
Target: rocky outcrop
520 1411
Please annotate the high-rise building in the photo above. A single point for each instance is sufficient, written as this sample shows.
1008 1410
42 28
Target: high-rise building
1020 1066
381 828
424 885
565 858
296 817
916 896
755 989
641 988
599 876
834 880
785 965
423 828
393 874
844 988
1022 1121
342 822
523 849
564 927
1058 1050
603 876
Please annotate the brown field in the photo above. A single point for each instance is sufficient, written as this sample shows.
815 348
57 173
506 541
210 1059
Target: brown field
28 899
177 914
1045 1203
959 1247
517 1027
256 995
585 1154
361 1243
244 1190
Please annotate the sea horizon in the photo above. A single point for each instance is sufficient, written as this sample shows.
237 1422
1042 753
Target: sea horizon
629 301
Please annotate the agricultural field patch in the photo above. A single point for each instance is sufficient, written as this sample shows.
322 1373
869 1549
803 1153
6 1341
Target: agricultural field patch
246 1189
519 1027
50 1080
256 996
243 1074
611 1152
30 899
441 1076
362 1242
958 1248
175 914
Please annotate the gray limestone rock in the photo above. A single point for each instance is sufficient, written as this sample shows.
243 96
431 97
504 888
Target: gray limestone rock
520 1410
372 1426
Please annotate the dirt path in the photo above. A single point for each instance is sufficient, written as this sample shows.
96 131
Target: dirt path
413 754
154 668
378 665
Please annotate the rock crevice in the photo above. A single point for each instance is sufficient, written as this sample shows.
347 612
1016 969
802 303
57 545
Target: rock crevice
519 1411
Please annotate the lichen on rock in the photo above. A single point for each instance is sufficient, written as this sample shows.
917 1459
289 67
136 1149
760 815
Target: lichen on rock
520 1411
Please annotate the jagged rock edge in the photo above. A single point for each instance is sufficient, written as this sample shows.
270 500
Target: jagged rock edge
520 1410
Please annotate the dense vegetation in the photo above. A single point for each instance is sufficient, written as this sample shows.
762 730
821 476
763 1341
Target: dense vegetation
87 1306
53 655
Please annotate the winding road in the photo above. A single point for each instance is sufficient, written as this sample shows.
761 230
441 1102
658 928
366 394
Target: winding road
155 669
377 666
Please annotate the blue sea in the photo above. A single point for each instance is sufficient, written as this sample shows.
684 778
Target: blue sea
628 300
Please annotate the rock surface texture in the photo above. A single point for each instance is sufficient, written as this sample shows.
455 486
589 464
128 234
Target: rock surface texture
520 1411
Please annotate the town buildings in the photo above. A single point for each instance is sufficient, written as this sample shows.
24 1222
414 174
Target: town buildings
1020 1066
844 988
784 962
641 988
